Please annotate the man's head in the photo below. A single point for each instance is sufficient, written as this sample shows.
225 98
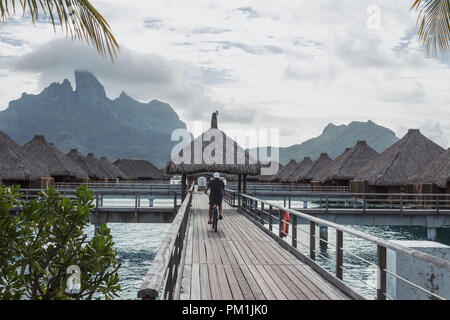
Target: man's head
216 175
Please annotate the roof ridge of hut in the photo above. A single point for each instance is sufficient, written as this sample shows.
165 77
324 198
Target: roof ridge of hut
322 161
57 163
400 161
139 169
301 168
348 163
436 172
113 171
16 164
98 167
79 159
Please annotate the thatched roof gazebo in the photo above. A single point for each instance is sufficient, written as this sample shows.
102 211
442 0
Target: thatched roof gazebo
301 169
213 151
139 169
344 168
112 170
390 171
61 167
436 173
93 172
323 161
17 166
285 172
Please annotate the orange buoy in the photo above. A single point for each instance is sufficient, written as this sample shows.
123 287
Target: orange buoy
285 226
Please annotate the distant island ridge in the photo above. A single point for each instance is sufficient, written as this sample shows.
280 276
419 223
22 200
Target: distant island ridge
86 119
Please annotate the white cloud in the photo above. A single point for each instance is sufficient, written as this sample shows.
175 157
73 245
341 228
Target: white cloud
296 65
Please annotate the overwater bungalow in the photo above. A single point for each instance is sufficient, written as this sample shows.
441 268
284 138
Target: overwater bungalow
284 174
17 167
344 168
139 169
391 170
323 161
228 158
93 172
94 163
61 167
301 169
435 178
113 171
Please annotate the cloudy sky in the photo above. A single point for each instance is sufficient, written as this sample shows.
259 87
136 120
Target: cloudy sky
292 65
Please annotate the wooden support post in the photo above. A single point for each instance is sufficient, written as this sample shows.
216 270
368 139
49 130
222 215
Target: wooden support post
175 202
323 236
401 202
239 188
135 203
339 253
183 186
245 184
270 218
280 223
312 240
381 275
262 213
294 231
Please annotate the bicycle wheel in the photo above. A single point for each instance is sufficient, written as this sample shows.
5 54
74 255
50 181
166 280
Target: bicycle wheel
215 218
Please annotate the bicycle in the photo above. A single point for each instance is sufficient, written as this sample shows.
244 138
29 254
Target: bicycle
215 217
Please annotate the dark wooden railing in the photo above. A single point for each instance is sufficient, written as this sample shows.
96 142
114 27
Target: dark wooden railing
362 201
161 279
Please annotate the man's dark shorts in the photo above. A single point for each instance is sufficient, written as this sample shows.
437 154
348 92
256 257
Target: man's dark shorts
215 201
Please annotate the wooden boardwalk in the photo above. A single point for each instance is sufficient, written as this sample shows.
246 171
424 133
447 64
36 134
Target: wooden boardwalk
242 262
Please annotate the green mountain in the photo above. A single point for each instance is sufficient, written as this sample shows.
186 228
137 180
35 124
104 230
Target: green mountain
86 119
334 139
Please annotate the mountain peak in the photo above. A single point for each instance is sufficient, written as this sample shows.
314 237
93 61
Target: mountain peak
87 85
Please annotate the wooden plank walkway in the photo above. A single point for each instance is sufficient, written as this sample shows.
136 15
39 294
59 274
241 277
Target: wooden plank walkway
240 261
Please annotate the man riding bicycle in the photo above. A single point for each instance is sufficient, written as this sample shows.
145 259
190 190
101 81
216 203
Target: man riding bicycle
216 195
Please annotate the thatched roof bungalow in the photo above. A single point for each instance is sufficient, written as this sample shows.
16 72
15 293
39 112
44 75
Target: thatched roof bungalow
323 161
93 172
113 171
61 167
301 169
344 168
18 167
435 178
94 163
390 171
285 172
138 169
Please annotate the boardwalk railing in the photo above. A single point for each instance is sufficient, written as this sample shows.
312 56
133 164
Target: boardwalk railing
161 278
127 185
99 195
363 201
270 217
257 187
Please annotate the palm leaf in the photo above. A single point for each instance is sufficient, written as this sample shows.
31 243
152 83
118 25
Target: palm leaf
78 18
434 25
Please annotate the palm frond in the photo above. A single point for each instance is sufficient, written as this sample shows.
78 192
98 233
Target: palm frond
434 25
78 18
